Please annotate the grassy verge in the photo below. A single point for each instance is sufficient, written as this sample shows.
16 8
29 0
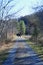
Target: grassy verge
3 56
37 48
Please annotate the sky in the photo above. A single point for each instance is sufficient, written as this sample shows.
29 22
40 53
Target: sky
25 7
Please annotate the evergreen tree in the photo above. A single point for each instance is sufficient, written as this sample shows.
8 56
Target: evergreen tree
35 33
22 27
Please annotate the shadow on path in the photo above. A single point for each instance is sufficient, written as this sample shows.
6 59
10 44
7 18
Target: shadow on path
22 56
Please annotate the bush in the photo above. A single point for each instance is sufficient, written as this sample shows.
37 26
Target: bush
40 41
31 39
7 41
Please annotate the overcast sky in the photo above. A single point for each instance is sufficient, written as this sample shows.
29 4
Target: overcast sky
27 6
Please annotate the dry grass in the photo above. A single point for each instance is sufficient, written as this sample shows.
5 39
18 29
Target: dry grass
26 36
4 46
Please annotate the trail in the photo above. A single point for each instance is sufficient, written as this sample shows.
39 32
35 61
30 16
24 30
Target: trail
22 54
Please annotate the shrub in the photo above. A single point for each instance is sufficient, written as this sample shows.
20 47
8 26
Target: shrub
7 41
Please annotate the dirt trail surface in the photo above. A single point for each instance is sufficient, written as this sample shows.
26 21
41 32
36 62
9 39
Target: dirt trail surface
22 54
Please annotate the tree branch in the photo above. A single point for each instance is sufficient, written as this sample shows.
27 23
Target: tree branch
14 13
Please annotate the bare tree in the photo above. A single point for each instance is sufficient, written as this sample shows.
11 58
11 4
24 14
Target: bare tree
5 9
38 8
2 22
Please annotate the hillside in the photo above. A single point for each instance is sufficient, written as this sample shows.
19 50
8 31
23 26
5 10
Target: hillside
36 18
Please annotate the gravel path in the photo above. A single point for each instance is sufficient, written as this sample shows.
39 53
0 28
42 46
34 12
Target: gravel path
22 54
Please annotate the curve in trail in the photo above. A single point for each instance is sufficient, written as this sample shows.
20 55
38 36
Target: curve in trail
22 54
